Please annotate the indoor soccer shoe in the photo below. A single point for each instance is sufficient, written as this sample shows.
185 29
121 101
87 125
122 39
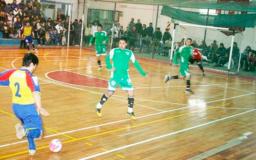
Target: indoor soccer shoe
189 91
100 68
98 111
132 115
31 152
166 78
20 131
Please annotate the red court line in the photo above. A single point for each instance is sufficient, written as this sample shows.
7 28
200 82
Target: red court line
77 79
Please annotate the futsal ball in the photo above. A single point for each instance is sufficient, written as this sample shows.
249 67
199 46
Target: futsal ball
55 145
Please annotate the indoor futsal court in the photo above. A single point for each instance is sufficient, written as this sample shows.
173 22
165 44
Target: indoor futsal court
219 116
127 79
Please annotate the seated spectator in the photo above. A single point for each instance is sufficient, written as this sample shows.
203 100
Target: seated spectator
244 58
167 35
252 60
6 30
221 58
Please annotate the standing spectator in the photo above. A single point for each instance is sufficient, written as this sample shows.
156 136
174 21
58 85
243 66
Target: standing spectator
131 24
205 49
150 30
244 58
87 33
236 54
143 38
115 34
251 60
132 38
138 26
60 30
6 30
14 4
213 49
42 34
78 30
221 55
157 41
167 35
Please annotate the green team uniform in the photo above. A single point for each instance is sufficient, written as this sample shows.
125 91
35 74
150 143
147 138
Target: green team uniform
101 40
120 62
182 56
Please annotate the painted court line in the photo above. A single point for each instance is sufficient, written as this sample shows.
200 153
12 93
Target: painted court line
97 126
165 135
100 93
120 121
116 97
231 143
224 99
98 134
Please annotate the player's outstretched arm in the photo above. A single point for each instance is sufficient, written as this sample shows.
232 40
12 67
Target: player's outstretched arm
40 109
139 68
4 77
108 62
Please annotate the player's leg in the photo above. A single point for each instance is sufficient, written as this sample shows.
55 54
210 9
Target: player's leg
100 51
200 65
130 111
168 77
31 136
126 84
99 62
20 131
98 55
112 84
103 100
188 83
33 127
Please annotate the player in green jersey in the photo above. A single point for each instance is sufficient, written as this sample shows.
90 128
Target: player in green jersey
101 39
118 62
183 54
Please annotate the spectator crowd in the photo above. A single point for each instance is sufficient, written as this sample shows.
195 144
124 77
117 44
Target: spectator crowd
141 37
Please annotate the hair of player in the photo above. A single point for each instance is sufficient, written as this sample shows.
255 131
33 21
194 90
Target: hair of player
123 39
100 25
30 58
189 39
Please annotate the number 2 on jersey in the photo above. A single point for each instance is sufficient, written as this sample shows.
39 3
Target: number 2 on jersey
17 85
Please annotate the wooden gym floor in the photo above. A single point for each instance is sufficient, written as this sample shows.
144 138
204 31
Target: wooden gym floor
217 122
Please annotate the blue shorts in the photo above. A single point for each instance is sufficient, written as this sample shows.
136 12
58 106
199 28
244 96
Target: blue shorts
28 116
29 39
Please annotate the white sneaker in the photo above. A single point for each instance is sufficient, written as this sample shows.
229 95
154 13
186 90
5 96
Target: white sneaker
20 131
98 109
31 152
189 91
100 69
166 78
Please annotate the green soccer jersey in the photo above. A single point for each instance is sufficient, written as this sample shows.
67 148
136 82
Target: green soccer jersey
120 61
120 64
101 38
183 56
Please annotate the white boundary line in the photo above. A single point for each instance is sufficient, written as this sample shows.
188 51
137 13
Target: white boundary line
100 125
99 93
165 135
115 122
